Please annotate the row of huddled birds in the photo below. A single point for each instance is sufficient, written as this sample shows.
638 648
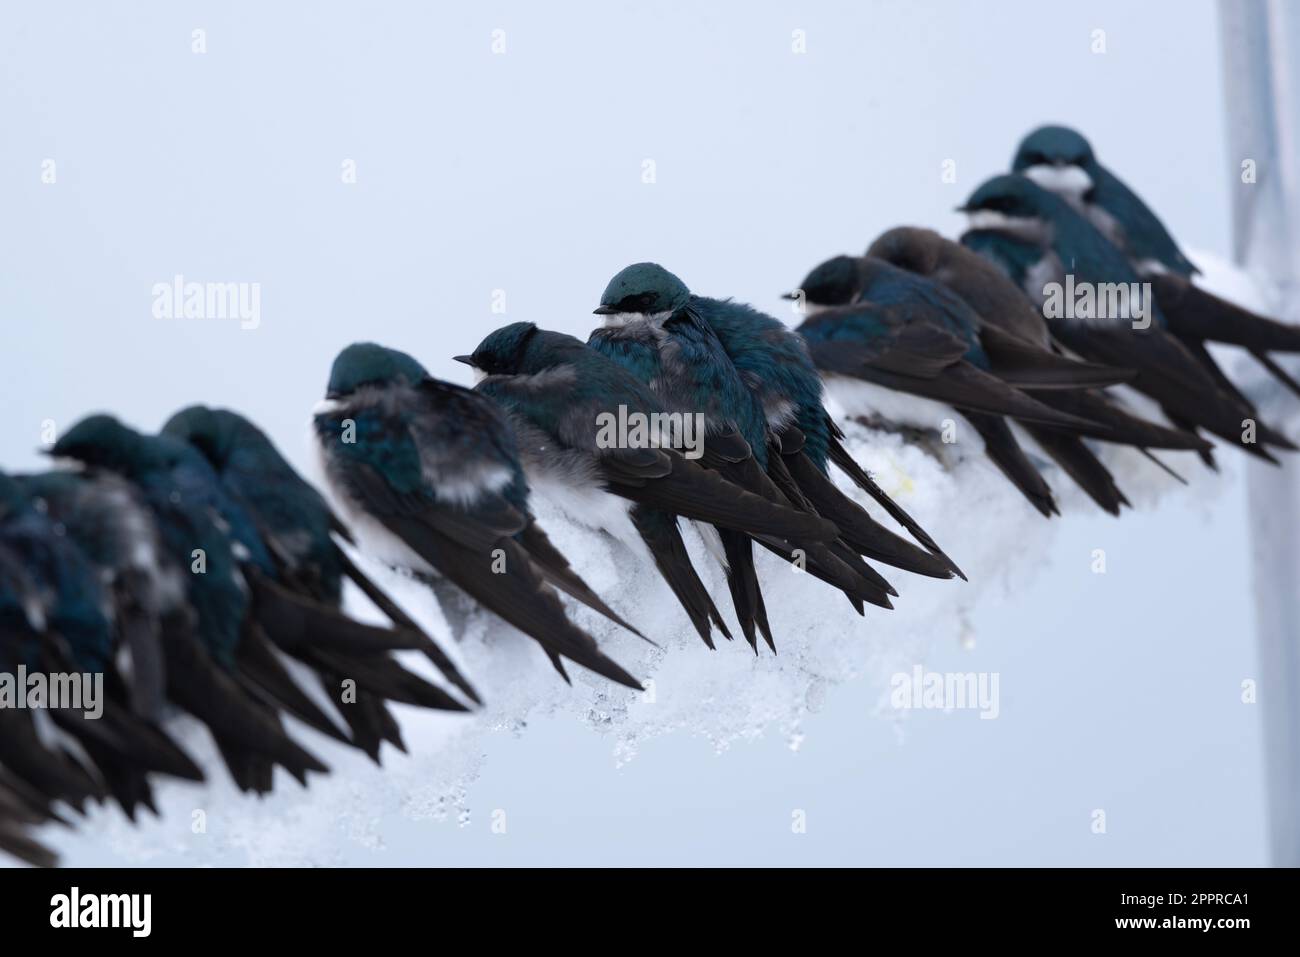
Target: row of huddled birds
186 567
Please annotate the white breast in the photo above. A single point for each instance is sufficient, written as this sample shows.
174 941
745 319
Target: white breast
867 399
590 505
371 535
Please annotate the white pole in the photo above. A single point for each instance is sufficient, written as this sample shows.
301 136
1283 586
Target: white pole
1261 58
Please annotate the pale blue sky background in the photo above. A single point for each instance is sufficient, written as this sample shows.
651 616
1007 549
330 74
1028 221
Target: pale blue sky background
522 172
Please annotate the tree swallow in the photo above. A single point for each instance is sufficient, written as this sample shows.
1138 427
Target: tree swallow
564 457
1016 336
428 474
558 391
298 527
1062 161
909 349
58 619
1098 306
654 329
774 365
219 663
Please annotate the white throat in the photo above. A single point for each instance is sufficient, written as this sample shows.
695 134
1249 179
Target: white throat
1068 182
617 320
1028 227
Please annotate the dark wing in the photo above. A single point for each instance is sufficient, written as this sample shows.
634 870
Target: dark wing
661 535
1001 446
476 550
1170 374
1028 366
923 359
857 528
1078 462
664 479
398 617
846 463
555 568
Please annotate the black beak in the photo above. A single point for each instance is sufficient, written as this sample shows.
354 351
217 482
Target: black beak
468 360
961 209
790 295
603 310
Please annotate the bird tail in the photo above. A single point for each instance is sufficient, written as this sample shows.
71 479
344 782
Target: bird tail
518 594
857 528
402 620
22 846
264 675
379 675
1194 313
742 580
841 567
555 568
1186 390
663 538
1001 446
846 464
1276 370
367 716
295 622
1078 461
695 492
248 733
1122 427
51 772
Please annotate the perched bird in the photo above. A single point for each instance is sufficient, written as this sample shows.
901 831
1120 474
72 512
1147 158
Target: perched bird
298 528
57 619
659 335
773 363
37 771
428 473
1015 334
1061 160
1048 248
908 349
556 391
219 663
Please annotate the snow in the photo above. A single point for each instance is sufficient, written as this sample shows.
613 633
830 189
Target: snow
721 697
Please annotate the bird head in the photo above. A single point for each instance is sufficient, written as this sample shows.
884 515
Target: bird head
642 289
917 250
1057 158
502 352
100 440
368 363
214 432
836 282
1010 203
